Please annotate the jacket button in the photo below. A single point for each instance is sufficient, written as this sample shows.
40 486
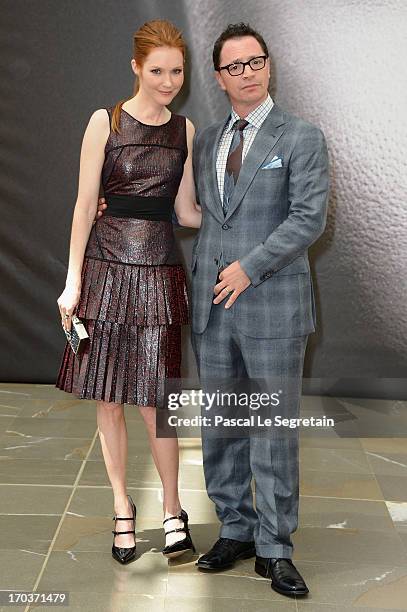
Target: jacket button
225 226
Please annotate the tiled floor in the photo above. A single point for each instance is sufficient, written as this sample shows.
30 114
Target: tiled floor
56 511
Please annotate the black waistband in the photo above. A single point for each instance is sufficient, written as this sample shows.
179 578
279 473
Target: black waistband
139 207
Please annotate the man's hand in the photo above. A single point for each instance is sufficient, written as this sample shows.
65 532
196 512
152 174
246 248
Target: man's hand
234 280
101 207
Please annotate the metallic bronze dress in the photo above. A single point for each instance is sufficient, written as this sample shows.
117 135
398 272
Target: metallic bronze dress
133 293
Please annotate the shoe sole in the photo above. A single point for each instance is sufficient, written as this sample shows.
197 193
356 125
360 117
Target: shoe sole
259 569
247 554
177 553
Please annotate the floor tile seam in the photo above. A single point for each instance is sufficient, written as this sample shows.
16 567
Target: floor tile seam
11 431
34 484
53 437
322 471
133 488
388 511
344 498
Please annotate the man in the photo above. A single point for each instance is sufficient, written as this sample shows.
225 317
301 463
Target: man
262 183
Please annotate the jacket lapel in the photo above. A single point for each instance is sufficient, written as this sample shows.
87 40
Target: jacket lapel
211 155
265 139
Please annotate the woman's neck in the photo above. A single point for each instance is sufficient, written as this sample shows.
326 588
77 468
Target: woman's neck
146 110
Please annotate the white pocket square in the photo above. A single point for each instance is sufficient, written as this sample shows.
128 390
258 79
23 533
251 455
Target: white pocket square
276 162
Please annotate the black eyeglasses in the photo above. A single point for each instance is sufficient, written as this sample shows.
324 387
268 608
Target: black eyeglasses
256 63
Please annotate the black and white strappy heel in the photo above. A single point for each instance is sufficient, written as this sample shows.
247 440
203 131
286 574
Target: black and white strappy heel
178 548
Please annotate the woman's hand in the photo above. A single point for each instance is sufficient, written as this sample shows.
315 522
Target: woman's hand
101 207
67 302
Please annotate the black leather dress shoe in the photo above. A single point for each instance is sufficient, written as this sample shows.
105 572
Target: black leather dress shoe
224 553
285 578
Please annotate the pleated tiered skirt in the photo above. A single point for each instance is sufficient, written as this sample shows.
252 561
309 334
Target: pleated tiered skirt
133 303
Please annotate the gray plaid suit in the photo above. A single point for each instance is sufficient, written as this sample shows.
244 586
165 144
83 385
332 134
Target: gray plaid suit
274 216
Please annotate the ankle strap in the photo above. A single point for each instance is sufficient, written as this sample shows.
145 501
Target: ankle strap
121 532
170 518
176 530
123 518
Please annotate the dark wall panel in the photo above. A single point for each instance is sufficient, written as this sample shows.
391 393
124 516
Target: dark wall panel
338 64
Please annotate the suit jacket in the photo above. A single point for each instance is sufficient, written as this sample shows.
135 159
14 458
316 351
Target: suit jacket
274 216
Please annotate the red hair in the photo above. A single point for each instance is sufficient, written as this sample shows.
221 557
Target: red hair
151 35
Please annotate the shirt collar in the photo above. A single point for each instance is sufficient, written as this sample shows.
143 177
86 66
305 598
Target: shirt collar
255 117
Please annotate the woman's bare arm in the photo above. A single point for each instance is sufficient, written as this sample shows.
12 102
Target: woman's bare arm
187 210
91 163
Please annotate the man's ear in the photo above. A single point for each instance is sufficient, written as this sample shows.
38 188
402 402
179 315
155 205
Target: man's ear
219 78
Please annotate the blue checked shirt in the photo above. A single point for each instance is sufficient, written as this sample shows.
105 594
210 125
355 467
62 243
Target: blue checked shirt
255 119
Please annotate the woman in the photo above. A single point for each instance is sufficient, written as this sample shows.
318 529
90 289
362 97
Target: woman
125 279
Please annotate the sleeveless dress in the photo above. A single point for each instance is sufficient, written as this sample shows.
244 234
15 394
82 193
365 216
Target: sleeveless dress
133 293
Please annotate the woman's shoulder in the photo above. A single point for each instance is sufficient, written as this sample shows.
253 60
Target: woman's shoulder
189 124
100 117
100 122
98 128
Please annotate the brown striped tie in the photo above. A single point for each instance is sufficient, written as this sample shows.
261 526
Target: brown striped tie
234 162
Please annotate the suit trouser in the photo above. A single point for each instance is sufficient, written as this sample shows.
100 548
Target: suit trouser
223 352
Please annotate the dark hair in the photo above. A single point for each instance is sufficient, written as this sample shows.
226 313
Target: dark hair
236 30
